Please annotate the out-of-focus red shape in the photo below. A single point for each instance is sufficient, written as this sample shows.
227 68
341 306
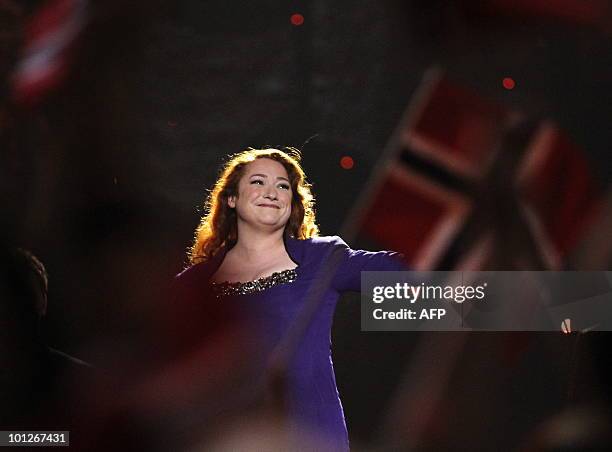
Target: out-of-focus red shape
297 19
415 216
419 202
455 128
347 162
559 191
450 128
508 83
50 39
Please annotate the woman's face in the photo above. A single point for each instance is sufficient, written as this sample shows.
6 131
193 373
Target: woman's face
264 195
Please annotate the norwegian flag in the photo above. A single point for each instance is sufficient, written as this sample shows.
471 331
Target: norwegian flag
50 37
560 196
457 189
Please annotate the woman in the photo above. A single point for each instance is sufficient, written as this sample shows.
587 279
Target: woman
258 248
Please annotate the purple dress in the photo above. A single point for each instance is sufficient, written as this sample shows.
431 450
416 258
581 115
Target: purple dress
327 267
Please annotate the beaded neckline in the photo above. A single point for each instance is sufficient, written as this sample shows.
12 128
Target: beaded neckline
225 289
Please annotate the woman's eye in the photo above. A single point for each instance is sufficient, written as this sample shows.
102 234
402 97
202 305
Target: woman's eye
257 181
284 186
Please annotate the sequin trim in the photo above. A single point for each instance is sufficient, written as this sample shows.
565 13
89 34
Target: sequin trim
226 289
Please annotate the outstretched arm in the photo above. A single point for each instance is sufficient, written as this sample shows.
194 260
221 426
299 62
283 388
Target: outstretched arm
353 262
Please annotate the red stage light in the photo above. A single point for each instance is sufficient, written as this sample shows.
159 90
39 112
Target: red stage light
347 162
508 83
297 19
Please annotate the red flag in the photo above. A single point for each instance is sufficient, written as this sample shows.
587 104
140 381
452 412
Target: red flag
469 131
558 192
415 216
50 38
429 200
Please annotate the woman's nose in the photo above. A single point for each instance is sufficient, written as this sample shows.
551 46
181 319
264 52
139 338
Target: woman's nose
270 193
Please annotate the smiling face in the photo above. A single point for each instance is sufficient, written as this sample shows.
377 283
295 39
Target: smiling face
264 195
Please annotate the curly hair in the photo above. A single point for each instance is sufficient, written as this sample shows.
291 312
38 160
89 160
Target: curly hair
218 226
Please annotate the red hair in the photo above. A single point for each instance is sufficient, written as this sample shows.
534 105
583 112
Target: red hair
218 226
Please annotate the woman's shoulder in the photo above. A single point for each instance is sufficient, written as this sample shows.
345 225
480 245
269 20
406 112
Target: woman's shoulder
190 274
197 272
324 241
327 240
314 248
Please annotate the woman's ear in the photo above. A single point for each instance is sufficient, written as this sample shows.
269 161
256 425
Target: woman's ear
231 202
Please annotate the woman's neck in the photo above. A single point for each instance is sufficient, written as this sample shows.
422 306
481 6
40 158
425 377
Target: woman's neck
252 245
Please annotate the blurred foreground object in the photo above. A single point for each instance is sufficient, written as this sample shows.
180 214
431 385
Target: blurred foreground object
40 385
50 41
468 184
581 429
